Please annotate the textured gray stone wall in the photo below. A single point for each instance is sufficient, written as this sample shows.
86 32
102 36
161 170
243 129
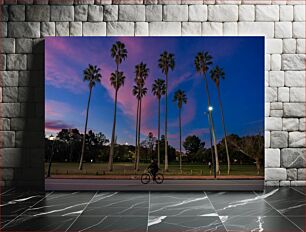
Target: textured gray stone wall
24 24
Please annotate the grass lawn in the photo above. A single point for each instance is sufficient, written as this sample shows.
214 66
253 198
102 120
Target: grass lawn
128 169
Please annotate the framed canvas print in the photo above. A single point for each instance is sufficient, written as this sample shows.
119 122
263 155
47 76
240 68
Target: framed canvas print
154 113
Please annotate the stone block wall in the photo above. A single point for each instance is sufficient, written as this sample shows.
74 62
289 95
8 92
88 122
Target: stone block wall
24 24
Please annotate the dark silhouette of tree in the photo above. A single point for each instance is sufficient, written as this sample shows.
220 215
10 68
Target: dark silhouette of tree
118 53
92 75
165 63
192 145
216 75
158 90
202 62
180 98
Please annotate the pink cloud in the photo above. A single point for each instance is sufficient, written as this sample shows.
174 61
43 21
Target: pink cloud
65 48
56 109
72 81
146 129
176 81
188 112
127 103
127 106
54 126
63 76
66 76
199 131
149 108
149 114
135 47
173 136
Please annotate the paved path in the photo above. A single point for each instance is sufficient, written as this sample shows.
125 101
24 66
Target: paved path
168 177
168 185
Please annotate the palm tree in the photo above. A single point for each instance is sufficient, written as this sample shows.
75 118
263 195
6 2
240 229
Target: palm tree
119 53
166 62
117 80
92 75
158 89
135 93
139 91
216 75
180 98
202 63
141 74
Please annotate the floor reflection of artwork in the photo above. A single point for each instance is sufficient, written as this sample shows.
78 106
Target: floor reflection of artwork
154 108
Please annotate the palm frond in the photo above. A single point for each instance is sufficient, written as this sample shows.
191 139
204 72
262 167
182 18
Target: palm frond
202 62
180 97
119 52
117 79
166 61
92 74
159 88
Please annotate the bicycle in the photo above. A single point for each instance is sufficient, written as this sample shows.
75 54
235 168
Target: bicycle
146 177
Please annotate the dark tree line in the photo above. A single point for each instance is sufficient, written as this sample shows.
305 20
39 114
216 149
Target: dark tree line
244 150
68 142
67 145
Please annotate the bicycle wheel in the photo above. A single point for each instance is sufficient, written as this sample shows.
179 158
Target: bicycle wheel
145 178
159 178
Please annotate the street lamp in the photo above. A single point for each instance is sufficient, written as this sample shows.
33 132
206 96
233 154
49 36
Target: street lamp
210 108
52 139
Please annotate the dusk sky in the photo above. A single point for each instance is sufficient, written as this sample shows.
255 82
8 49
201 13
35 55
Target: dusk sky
242 91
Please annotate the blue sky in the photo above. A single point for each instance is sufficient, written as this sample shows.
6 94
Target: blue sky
242 91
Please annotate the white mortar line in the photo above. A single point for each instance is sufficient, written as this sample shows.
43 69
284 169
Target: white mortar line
25 211
82 212
280 213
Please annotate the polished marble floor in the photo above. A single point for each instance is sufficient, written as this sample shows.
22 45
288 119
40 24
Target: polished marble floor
274 210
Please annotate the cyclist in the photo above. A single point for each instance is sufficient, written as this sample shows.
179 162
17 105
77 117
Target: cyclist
153 168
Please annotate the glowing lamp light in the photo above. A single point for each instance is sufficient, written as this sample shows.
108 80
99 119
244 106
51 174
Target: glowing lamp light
210 108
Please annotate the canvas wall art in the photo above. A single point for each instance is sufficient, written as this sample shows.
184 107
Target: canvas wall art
162 113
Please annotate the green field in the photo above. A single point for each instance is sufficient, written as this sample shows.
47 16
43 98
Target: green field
128 169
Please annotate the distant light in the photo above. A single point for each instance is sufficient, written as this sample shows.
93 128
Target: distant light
51 137
210 108
126 143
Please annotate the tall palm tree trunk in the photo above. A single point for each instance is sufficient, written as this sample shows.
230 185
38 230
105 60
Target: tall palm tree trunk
85 130
180 119
111 154
225 135
211 145
158 147
138 142
137 118
212 126
166 126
